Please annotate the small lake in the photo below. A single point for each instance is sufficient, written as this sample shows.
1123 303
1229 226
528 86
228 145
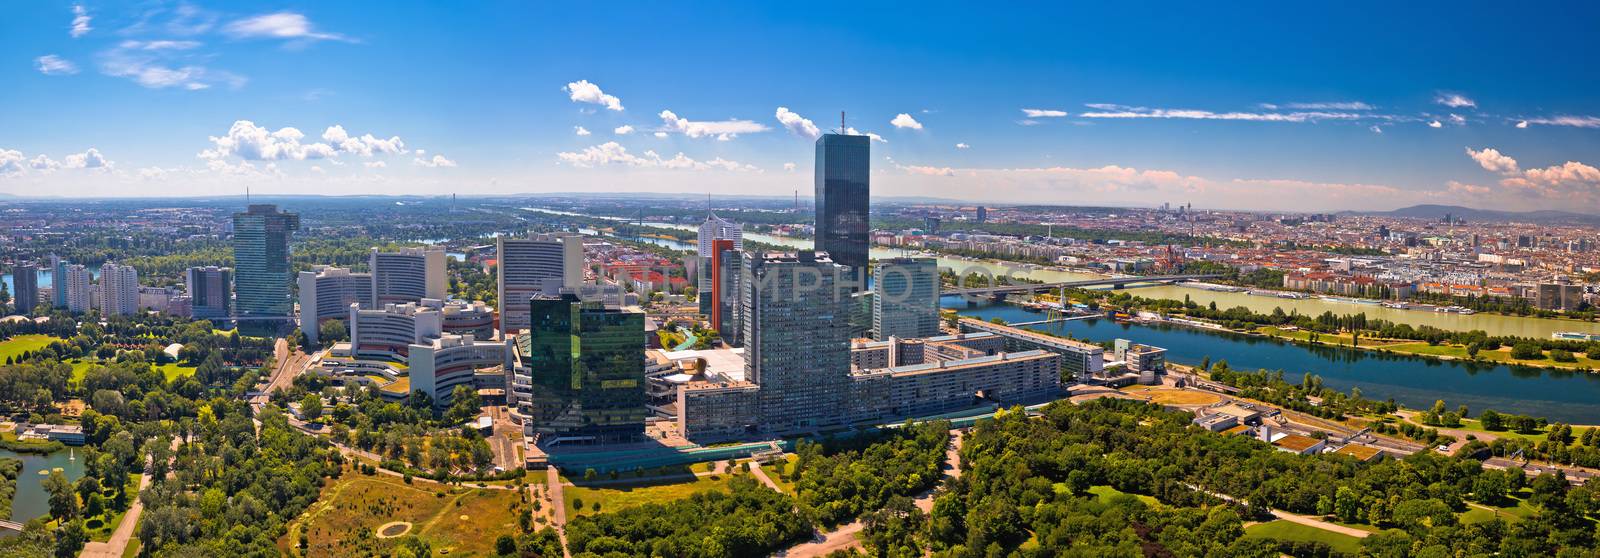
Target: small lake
31 500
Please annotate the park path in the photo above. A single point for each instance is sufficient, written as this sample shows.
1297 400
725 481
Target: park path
120 538
1291 517
558 506
761 475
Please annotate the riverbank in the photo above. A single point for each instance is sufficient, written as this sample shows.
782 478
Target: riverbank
1442 351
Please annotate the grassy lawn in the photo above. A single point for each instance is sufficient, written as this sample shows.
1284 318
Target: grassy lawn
787 480
1327 338
1167 396
1502 356
15 346
1287 531
613 497
1517 512
1104 493
171 371
347 515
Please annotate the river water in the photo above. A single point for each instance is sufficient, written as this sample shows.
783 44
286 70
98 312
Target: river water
1414 382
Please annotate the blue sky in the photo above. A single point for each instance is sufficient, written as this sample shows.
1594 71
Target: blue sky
1259 106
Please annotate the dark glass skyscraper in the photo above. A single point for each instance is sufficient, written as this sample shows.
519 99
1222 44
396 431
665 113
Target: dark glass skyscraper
25 287
585 368
842 192
262 274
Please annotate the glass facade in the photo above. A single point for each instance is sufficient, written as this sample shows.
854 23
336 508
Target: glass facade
796 339
586 370
262 273
842 193
906 301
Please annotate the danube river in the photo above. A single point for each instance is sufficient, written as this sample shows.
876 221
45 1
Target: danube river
1414 382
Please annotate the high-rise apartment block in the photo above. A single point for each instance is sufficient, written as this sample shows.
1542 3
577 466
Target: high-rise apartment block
78 287
796 340
24 288
119 290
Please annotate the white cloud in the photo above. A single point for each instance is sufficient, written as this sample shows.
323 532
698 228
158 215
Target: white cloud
1435 124
1376 129
613 153
580 130
1112 111
366 146
1458 119
52 65
582 91
80 21
904 120
1491 160
1337 105
962 146
1043 113
622 130
1573 121
436 161
854 132
1571 183
1028 122
375 164
159 45
281 25
788 167
800 126
928 171
661 135
723 130
1454 100
90 159
161 64
318 169
12 162
245 140
43 163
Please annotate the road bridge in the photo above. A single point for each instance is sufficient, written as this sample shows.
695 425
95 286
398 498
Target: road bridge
1114 282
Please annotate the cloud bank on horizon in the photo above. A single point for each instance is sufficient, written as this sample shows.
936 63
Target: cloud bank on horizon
196 98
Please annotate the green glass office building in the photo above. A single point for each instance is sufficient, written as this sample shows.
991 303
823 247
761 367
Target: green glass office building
579 376
262 273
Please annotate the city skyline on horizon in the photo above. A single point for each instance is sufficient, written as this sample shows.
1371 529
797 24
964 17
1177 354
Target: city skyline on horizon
194 100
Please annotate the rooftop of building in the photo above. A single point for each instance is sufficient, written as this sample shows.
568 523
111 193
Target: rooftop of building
721 364
1358 451
1296 442
948 365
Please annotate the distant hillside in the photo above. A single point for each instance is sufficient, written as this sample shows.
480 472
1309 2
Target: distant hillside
1434 211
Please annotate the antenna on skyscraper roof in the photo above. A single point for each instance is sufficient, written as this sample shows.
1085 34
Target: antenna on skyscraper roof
247 195
841 122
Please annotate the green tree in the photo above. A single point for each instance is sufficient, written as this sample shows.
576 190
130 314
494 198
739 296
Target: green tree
63 499
311 407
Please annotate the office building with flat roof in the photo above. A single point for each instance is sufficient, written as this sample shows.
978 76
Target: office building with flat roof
327 293
541 265
263 276
905 298
578 372
407 275
210 292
